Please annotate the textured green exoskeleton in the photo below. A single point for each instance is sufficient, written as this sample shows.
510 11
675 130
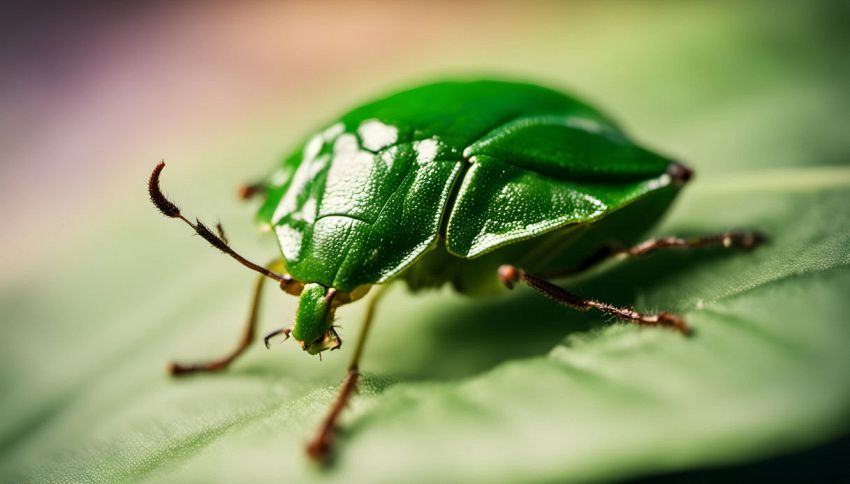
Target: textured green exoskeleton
428 183
477 184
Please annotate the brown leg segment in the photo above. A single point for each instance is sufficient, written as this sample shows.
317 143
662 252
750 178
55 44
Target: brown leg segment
746 240
248 335
320 446
509 274
743 240
247 191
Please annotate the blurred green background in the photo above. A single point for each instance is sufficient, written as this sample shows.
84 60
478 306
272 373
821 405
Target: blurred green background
98 291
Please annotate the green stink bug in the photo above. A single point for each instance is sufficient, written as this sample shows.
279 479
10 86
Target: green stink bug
478 184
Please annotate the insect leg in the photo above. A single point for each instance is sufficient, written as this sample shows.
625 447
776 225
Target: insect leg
250 190
320 447
248 335
509 275
746 240
743 240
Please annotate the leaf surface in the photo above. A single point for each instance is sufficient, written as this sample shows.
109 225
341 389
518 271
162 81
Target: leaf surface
766 370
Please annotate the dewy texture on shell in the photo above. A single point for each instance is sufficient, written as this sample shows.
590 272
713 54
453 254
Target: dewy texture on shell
483 163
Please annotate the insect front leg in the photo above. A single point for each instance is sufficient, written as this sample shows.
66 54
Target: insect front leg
509 275
248 334
320 446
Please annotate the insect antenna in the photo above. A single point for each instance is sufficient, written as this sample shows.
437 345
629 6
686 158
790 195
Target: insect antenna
169 209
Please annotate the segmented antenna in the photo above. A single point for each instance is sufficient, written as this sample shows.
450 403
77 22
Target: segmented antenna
171 210
163 204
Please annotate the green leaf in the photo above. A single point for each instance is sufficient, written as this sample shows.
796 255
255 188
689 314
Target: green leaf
765 373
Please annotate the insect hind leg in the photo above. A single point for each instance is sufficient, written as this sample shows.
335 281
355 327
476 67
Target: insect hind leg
746 240
509 275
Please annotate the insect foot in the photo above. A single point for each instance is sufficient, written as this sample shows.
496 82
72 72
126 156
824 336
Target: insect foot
679 172
676 322
746 240
284 331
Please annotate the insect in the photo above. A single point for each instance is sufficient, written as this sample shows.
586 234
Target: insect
479 184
